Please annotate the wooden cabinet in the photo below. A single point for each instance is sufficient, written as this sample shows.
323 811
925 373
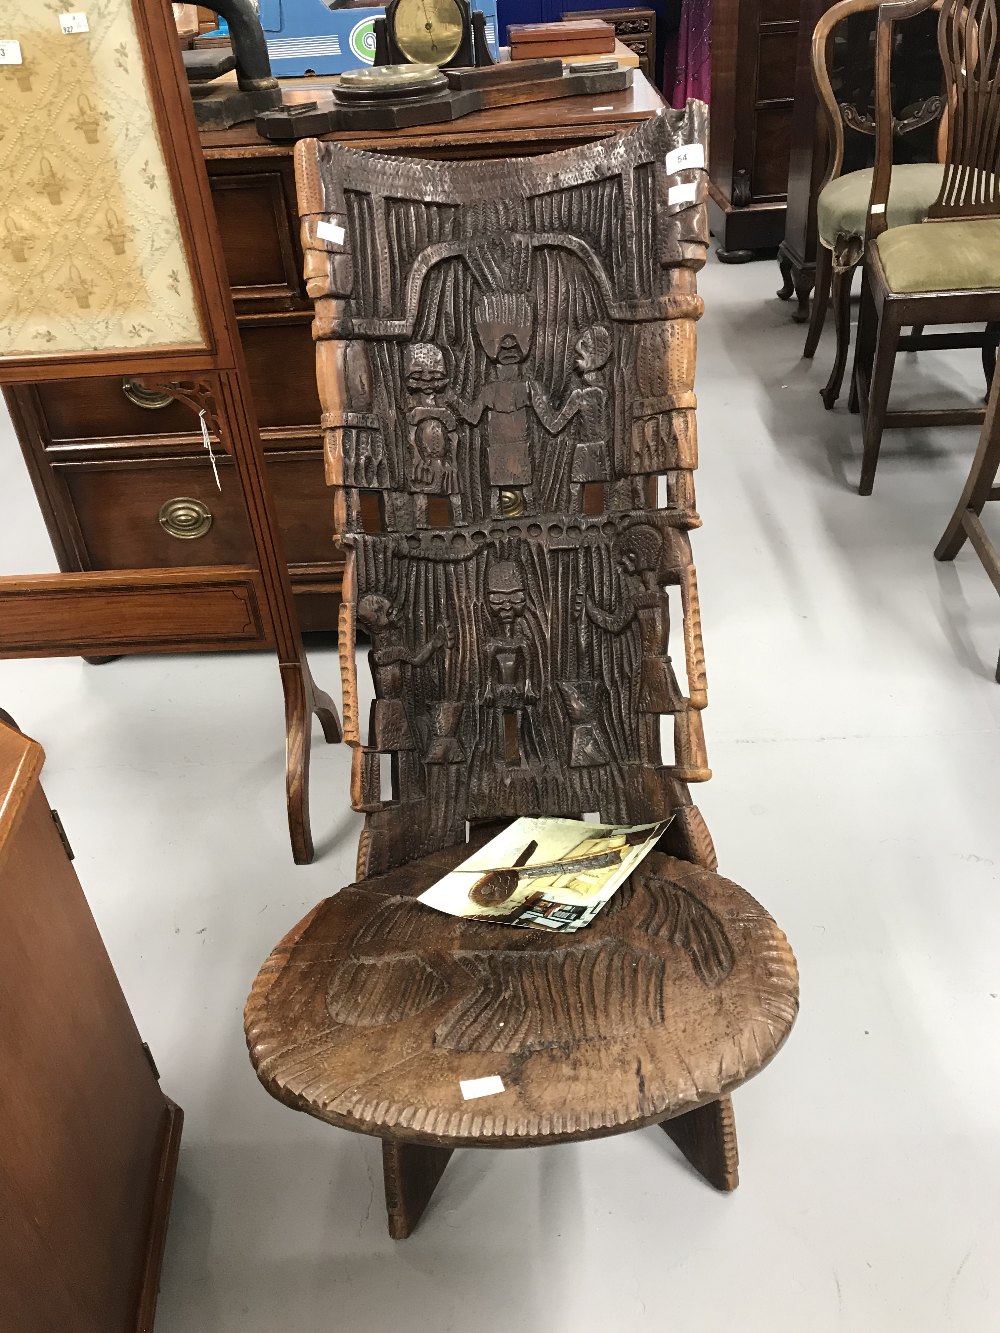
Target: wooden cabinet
106 460
89 1142
754 51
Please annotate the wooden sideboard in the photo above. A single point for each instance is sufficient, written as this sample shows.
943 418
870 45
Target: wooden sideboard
109 467
89 1142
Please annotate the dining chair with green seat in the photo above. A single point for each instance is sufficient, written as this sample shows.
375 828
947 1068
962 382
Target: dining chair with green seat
843 73
946 269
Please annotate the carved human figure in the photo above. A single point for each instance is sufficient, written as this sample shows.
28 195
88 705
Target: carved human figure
390 727
510 692
432 430
638 551
505 324
587 408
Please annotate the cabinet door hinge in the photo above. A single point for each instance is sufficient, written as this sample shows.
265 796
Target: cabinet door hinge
62 834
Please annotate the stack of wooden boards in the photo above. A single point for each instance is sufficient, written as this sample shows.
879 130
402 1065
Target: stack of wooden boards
583 37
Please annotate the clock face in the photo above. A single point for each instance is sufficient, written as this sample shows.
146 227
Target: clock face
428 30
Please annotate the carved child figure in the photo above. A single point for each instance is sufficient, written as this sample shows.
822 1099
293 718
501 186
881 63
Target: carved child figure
505 324
432 430
390 729
588 408
509 688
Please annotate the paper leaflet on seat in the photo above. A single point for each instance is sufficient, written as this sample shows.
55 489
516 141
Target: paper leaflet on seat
549 874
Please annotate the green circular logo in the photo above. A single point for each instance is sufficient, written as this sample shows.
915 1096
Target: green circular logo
362 41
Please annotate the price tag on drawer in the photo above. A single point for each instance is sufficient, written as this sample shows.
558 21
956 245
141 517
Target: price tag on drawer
683 194
10 52
74 23
685 158
331 231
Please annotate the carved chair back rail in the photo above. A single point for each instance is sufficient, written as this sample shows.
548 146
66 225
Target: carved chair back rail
505 357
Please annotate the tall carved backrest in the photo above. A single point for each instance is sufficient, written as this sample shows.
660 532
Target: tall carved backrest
969 40
506 355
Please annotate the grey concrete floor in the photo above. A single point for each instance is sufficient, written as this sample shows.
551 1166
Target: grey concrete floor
853 730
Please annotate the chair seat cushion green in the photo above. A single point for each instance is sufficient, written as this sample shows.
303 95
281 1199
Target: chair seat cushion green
843 204
958 255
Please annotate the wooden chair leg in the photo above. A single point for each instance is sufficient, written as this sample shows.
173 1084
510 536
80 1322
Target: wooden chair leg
883 364
978 486
990 352
821 299
707 1138
411 1173
841 284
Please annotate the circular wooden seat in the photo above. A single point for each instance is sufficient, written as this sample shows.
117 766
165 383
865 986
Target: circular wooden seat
373 1009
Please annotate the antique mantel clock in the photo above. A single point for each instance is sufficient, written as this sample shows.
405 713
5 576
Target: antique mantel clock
445 33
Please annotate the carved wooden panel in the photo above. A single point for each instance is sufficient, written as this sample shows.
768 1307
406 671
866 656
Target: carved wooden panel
506 359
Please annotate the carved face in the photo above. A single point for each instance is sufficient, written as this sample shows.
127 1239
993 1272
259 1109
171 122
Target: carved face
505 591
593 348
424 369
638 549
376 612
505 322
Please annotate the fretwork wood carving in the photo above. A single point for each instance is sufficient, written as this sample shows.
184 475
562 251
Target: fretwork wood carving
505 358
504 374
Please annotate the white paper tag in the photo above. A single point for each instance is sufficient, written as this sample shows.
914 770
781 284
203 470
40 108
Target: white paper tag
685 157
74 23
683 194
330 231
480 1087
878 208
604 108
10 52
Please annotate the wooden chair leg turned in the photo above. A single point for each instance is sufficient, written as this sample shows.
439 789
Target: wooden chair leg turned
411 1173
707 1138
841 285
821 300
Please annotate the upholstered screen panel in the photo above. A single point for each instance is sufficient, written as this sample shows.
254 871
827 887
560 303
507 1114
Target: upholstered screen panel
91 255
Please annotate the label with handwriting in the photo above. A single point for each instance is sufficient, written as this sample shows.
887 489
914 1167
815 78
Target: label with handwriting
686 157
10 52
74 23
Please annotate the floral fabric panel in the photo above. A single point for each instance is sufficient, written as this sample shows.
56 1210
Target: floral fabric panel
91 256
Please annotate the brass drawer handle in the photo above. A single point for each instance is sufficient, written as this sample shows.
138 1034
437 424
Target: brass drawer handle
149 399
184 518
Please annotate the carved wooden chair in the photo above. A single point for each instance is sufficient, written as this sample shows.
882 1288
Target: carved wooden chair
843 68
946 269
506 356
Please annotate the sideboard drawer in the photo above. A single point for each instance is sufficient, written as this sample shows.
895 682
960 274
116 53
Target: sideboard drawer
282 363
258 224
166 514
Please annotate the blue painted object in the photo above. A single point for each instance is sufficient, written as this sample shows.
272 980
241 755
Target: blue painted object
305 37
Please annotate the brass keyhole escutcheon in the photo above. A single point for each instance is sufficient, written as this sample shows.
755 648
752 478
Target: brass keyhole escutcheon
151 400
185 518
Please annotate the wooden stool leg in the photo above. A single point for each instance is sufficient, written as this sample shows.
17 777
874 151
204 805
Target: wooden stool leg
411 1173
707 1138
821 299
977 489
842 280
886 338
